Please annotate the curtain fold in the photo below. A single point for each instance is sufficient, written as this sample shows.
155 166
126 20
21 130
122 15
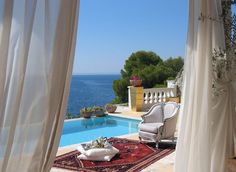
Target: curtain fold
37 44
206 131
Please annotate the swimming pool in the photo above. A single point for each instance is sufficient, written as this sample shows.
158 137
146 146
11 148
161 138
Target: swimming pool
83 130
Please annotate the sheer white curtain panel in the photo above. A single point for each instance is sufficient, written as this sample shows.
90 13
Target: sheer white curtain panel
207 121
37 43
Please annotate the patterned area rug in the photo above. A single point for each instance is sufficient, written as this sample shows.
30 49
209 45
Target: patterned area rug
133 156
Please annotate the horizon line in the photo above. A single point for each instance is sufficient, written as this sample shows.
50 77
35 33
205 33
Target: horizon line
95 73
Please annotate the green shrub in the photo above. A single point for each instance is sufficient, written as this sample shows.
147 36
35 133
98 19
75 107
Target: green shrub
149 67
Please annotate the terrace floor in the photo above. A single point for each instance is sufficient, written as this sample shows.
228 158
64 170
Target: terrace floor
164 165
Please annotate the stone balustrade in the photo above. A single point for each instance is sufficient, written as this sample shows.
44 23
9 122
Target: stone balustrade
141 99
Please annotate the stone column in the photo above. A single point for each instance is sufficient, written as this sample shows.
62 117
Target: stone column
136 98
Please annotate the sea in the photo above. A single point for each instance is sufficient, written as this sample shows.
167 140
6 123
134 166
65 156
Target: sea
90 90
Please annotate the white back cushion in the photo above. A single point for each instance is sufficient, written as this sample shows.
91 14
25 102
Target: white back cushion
169 109
157 114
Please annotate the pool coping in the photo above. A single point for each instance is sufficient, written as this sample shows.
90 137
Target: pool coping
110 114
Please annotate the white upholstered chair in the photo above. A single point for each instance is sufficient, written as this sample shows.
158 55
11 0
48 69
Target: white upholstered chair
159 122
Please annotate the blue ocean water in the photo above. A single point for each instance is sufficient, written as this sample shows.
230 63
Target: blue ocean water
90 90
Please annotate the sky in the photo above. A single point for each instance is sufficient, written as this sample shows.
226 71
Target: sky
110 30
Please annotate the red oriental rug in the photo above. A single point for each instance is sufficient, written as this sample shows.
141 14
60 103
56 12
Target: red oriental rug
133 156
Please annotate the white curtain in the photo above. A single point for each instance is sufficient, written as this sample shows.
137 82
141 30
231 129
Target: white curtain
206 129
37 42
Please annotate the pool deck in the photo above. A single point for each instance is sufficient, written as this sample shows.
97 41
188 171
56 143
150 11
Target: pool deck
166 164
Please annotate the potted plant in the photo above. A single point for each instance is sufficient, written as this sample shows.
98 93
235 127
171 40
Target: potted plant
69 116
86 112
98 111
110 108
135 81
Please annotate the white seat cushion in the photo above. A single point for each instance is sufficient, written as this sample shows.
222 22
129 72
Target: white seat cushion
150 127
148 136
98 151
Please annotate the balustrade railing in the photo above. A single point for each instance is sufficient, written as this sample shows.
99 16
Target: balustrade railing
149 96
156 95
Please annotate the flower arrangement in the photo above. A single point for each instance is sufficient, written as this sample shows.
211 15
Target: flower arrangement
135 81
101 142
134 77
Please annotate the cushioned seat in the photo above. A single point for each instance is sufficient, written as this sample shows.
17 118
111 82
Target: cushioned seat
150 127
148 136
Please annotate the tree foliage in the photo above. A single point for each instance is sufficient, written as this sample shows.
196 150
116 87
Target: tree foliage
150 68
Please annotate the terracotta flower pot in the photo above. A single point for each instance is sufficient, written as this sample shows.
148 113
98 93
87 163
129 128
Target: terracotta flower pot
86 114
136 83
111 108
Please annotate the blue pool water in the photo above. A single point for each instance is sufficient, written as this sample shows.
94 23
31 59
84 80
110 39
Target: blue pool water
83 130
